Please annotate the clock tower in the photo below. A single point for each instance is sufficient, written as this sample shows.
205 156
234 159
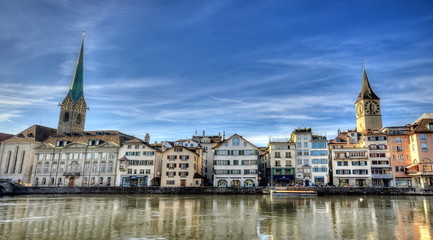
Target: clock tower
73 108
367 106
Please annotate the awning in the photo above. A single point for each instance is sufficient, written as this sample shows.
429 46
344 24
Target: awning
284 177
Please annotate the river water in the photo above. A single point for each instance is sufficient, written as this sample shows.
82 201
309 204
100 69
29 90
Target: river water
215 217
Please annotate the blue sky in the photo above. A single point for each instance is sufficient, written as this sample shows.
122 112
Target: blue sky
256 68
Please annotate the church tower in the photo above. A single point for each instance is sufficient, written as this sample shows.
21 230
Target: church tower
368 115
73 108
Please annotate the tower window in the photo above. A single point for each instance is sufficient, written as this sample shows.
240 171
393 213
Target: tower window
78 119
66 117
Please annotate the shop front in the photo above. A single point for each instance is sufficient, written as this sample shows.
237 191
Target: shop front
134 181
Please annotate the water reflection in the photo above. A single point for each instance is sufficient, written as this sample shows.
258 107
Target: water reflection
215 217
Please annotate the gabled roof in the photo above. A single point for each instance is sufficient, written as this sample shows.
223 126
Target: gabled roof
35 133
366 91
232 136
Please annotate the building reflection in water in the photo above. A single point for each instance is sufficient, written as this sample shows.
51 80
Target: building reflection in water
215 217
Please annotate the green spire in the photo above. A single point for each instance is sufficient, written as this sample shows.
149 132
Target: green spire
76 89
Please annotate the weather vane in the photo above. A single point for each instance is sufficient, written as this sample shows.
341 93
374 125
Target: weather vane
83 34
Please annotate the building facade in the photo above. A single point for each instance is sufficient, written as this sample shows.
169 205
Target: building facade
139 164
17 153
235 163
182 167
377 144
399 151
421 147
280 162
80 159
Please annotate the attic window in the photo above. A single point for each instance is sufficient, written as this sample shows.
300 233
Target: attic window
59 143
20 135
178 149
30 135
430 126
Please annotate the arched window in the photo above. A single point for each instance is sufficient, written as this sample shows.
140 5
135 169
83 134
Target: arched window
248 183
66 117
78 120
92 181
85 181
222 183
44 181
59 181
38 168
102 167
236 183
36 183
52 181
108 181
235 141
46 168
101 180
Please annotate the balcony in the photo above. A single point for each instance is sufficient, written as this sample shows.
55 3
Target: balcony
381 176
71 174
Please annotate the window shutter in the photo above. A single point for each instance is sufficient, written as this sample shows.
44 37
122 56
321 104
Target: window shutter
166 173
187 157
174 173
168 165
168 157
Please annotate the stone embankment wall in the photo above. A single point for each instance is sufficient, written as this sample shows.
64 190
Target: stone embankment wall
214 190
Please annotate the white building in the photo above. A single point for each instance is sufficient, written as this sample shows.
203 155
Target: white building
381 172
139 164
311 158
17 154
280 162
87 158
235 163
207 143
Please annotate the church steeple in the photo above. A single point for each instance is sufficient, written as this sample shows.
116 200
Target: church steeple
76 88
73 107
367 106
366 91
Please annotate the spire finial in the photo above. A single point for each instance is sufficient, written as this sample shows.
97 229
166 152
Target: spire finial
363 63
83 34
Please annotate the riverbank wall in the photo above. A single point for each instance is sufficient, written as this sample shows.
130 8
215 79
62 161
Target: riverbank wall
215 190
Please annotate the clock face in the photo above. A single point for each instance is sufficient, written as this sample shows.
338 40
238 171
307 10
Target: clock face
80 106
371 107
67 104
359 109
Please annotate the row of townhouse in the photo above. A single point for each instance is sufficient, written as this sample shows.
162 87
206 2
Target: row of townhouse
368 156
398 156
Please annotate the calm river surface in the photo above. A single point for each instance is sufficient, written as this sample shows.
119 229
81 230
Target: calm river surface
215 217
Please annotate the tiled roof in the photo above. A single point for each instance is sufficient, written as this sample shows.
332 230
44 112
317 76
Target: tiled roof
35 133
423 126
4 136
84 137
